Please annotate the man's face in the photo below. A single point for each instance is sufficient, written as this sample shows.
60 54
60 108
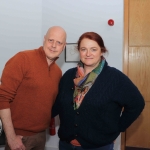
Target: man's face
54 43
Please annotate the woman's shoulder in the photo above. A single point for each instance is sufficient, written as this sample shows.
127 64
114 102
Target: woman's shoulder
117 74
114 73
71 71
111 69
114 70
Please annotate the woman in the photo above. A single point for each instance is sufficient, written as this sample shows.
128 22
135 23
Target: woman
91 99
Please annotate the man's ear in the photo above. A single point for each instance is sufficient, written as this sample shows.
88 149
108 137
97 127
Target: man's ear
64 46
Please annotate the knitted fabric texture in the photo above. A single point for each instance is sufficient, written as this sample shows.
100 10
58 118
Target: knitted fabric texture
84 83
29 88
99 120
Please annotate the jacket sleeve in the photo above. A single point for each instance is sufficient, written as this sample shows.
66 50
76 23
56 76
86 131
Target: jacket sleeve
56 106
68 76
130 98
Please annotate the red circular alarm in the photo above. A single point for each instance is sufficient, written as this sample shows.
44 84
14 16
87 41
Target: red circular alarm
111 22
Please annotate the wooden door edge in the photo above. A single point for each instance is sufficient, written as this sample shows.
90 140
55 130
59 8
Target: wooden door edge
123 141
126 36
125 55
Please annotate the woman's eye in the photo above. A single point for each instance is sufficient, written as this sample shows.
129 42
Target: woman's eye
94 49
82 49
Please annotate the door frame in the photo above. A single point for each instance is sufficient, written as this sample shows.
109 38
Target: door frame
125 55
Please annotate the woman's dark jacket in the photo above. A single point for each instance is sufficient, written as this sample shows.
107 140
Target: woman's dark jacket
99 120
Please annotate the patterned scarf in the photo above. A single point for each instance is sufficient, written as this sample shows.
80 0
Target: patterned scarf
84 83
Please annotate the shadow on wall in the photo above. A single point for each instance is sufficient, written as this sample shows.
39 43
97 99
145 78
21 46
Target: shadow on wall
61 60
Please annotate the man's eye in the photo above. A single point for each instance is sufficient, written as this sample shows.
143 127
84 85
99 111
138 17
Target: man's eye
59 43
50 40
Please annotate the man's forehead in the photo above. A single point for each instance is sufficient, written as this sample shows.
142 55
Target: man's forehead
58 37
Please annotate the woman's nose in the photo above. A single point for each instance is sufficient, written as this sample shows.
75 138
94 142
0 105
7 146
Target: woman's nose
88 53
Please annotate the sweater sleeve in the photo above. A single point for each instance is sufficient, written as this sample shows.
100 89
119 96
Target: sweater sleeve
68 76
129 97
56 106
12 76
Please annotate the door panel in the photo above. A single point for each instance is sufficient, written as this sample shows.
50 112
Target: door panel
139 22
137 68
138 134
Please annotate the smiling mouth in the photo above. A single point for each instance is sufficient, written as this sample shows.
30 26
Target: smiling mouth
53 51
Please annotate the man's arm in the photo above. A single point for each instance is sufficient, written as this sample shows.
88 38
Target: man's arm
14 141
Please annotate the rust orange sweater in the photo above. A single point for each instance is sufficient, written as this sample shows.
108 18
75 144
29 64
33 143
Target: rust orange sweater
29 88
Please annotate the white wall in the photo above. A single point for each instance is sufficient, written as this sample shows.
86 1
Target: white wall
20 27
24 23
87 15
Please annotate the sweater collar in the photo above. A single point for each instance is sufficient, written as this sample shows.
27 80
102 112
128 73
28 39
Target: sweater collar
43 55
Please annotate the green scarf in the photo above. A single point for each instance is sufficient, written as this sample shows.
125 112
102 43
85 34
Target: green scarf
83 84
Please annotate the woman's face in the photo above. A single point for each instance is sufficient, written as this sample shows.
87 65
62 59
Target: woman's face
90 53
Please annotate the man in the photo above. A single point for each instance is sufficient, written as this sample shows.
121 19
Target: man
29 85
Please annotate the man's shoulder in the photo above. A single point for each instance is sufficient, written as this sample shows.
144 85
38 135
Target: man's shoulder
25 52
21 56
29 51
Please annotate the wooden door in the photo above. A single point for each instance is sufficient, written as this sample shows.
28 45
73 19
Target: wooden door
137 67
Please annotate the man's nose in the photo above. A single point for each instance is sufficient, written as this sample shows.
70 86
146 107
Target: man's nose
54 44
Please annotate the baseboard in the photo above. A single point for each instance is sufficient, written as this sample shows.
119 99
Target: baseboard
51 148
46 148
2 147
